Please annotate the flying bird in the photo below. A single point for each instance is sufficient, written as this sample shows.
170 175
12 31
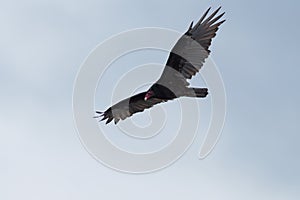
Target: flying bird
184 61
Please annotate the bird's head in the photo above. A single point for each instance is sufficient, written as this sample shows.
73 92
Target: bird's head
149 95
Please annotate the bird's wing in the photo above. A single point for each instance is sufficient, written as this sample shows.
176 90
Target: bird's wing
128 107
189 53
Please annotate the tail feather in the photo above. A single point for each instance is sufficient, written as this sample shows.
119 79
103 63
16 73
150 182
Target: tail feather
198 92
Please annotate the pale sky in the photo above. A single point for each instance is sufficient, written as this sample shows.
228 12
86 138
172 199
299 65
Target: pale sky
42 47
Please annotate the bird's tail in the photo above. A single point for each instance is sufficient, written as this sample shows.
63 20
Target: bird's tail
198 92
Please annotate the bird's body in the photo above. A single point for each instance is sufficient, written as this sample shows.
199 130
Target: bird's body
185 60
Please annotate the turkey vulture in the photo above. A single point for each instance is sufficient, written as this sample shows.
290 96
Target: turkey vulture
185 60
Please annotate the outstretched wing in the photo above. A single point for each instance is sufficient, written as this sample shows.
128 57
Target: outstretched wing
128 107
189 53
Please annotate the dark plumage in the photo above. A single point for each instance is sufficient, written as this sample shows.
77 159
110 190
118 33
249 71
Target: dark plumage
185 60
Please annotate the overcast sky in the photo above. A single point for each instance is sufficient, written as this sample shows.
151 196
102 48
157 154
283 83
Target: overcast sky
43 44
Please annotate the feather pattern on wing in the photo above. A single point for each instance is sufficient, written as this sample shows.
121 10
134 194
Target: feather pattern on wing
189 53
128 107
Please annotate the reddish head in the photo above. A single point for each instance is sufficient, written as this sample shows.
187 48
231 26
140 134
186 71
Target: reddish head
148 95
